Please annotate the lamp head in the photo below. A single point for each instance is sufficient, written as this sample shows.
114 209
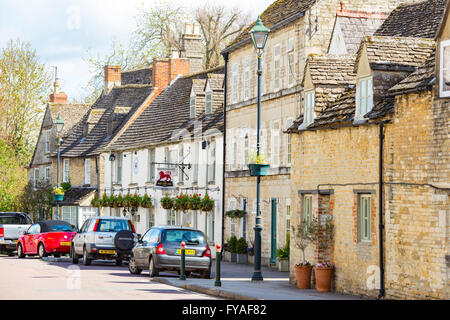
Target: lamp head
259 35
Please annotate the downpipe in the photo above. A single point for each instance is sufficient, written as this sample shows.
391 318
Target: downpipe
381 211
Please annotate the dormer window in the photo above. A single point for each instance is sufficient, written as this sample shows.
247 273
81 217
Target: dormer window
444 87
193 101
208 100
308 115
364 97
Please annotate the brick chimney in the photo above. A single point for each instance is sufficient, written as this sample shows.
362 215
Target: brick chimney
112 77
56 96
165 70
192 47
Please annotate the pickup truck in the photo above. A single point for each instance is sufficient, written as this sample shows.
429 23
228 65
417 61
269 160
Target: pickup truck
12 226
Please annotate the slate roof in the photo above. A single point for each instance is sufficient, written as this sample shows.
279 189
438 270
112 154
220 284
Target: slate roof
74 195
277 13
138 76
418 80
389 53
167 114
127 96
355 29
70 113
420 20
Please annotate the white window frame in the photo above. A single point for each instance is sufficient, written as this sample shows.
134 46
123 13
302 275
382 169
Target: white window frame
275 144
307 208
117 176
208 101
246 85
365 218
443 45
66 170
192 104
290 62
212 162
288 215
36 177
289 123
47 141
276 67
69 214
364 97
234 83
87 171
246 150
151 167
309 114
47 173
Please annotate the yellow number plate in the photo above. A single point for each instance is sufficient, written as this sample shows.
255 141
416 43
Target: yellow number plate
15 241
65 243
187 252
107 251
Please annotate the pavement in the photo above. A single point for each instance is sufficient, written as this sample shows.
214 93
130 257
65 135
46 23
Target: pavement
236 284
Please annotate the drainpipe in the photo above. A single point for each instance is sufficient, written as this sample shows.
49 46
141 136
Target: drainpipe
380 216
98 181
225 57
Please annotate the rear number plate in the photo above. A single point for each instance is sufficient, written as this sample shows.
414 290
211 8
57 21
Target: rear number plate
187 252
107 251
15 241
65 243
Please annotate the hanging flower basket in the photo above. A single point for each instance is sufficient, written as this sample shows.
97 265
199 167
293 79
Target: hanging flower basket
181 203
58 194
258 169
195 202
207 204
167 202
146 201
235 213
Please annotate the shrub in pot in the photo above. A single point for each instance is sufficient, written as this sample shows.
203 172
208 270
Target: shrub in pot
231 248
323 235
324 276
166 202
241 251
303 236
283 258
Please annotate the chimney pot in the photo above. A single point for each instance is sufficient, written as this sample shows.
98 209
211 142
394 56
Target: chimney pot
113 77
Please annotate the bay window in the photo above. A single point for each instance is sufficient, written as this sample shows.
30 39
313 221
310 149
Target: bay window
444 87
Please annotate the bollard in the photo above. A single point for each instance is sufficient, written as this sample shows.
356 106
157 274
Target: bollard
217 283
182 261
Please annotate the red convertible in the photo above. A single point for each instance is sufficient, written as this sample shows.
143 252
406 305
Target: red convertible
46 237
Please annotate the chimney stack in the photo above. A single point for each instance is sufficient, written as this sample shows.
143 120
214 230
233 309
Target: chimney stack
192 47
113 77
56 96
164 70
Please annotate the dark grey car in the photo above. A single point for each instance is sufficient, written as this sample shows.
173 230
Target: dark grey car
160 249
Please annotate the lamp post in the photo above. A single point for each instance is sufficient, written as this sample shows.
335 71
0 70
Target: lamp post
59 124
259 35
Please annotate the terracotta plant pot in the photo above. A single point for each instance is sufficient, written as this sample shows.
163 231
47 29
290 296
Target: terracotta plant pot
324 276
303 274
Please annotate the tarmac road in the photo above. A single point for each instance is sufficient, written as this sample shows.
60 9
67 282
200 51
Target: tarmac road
57 279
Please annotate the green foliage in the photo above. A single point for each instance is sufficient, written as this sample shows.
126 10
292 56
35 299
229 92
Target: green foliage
207 204
37 202
195 202
241 246
182 202
232 244
167 202
283 253
146 201
66 185
237 213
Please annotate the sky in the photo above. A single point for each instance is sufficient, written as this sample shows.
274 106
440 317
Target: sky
62 31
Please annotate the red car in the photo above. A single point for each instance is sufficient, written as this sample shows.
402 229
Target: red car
46 237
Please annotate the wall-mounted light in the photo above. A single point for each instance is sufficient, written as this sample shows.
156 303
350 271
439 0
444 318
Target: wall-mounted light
112 157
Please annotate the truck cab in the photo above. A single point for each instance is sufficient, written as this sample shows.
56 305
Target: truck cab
12 227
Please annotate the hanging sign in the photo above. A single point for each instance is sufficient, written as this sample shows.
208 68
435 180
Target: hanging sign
164 179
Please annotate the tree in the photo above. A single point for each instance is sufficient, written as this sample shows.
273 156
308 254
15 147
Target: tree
37 201
219 26
25 85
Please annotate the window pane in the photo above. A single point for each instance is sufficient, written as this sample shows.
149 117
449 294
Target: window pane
363 95
446 68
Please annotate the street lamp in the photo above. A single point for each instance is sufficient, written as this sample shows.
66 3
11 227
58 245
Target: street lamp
259 35
59 125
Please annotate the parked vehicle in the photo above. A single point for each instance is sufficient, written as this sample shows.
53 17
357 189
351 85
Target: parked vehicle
110 238
12 225
160 249
44 238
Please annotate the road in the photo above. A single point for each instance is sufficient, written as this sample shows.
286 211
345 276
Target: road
57 279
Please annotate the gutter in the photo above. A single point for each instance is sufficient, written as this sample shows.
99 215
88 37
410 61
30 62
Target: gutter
380 215
225 57
98 180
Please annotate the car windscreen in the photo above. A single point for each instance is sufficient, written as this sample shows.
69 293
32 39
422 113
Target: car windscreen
13 219
189 236
61 227
113 225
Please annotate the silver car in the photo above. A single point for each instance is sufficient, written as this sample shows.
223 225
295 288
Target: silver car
160 249
110 238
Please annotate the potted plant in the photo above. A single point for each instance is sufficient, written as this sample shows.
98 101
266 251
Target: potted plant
146 201
241 251
167 202
235 213
207 204
303 238
258 165
126 202
58 193
323 235
95 202
195 202
231 248
104 201
118 201
283 258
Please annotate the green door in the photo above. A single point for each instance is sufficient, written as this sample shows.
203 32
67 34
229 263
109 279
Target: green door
273 233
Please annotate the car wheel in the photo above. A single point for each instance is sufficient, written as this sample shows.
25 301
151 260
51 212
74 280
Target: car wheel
86 260
57 255
11 254
73 255
206 274
132 267
41 251
20 253
152 270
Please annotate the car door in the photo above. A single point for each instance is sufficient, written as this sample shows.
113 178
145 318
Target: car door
78 240
27 238
138 250
152 242
31 243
